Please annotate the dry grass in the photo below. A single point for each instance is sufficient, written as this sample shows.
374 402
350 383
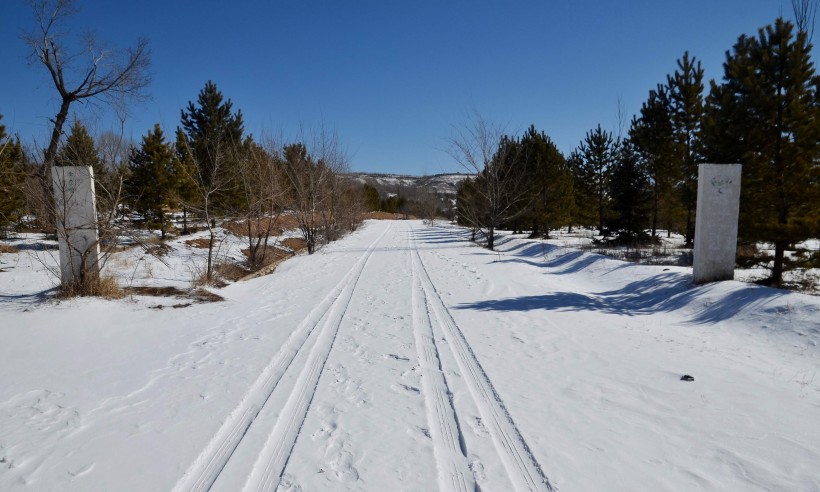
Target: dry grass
272 255
282 223
7 248
386 216
230 271
155 291
294 243
201 242
198 295
105 286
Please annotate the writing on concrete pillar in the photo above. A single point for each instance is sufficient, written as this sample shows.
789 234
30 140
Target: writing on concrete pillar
716 223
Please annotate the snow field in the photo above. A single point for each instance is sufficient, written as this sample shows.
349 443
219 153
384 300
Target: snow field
405 358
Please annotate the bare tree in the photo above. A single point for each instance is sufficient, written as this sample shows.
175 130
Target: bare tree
209 181
263 193
481 148
86 70
805 13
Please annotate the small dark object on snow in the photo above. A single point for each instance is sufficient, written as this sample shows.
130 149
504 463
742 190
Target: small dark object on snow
687 377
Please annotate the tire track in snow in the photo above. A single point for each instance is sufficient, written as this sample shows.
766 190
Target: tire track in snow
204 471
454 474
270 464
523 470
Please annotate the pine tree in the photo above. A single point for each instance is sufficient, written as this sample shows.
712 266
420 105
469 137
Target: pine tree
598 151
766 116
214 134
686 104
651 136
12 180
631 195
80 150
549 182
152 181
186 191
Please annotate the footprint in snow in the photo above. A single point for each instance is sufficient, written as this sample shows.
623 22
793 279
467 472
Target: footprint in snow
478 426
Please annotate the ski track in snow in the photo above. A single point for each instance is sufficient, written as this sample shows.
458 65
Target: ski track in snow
205 470
523 470
270 464
453 470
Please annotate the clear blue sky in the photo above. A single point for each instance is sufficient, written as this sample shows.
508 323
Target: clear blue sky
391 77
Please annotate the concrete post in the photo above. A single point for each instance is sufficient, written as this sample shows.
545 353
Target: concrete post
716 222
76 216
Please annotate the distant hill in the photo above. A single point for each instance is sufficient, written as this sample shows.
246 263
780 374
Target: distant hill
398 184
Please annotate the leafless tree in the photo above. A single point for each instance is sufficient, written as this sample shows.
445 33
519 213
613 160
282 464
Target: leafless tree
83 70
263 194
805 13
482 150
209 181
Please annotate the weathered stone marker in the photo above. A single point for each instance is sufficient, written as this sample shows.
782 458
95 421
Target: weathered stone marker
76 215
716 223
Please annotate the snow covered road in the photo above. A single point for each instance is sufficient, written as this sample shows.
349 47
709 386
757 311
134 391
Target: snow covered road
405 358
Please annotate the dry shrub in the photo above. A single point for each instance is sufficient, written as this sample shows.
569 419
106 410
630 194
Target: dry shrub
105 286
258 228
387 216
201 242
7 248
272 255
294 243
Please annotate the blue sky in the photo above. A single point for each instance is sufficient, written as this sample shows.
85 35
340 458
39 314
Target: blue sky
391 77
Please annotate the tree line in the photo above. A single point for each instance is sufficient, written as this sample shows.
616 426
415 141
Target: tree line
764 114
209 169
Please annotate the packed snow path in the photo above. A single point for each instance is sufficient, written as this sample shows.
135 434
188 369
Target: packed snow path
406 358
454 472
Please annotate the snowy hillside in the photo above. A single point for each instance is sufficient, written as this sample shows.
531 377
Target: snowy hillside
444 184
405 358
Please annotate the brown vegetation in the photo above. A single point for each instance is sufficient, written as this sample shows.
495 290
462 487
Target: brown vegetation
7 248
387 216
202 242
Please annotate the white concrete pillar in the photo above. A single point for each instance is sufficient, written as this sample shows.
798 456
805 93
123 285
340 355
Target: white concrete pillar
716 223
76 215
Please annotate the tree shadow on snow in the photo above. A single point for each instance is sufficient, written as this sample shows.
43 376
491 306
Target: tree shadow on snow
666 292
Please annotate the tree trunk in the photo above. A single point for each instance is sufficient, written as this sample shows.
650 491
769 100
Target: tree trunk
54 141
490 238
777 271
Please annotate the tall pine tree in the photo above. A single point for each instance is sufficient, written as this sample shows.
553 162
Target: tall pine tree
12 180
766 116
599 151
652 140
686 104
549 182
631 195
214 134
152 182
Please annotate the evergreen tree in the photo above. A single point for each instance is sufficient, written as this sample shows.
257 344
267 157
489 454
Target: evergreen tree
583 211
598 151
12 180
686 104
549 182
214 134
631 195
80 150
371 197
152 181
766 116
651 137
186 191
